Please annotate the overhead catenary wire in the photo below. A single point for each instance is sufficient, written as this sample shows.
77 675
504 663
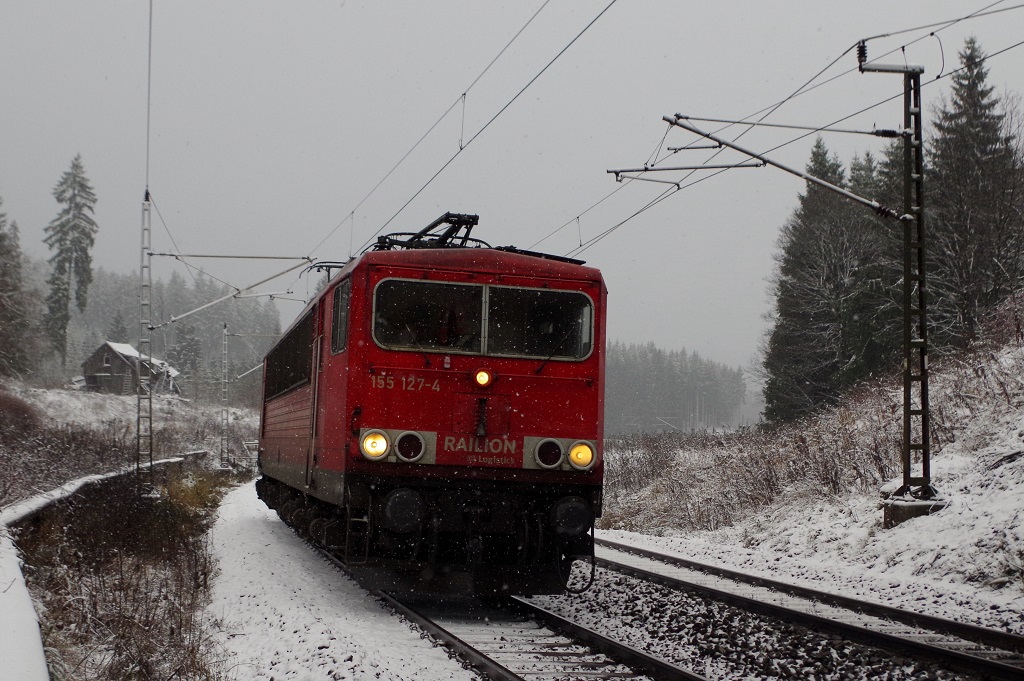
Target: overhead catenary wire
238 290
461 98
802 90
170 236
577 251
193 269
236 294
806 88
766 111
678 186
983 12
490 122
576 219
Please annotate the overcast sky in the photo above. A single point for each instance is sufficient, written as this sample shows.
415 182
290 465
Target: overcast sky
271 122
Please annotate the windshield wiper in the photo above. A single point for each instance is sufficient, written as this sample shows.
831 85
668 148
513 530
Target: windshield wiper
557 348
412 336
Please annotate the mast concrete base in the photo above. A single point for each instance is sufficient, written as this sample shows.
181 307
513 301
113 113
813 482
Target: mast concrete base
896 510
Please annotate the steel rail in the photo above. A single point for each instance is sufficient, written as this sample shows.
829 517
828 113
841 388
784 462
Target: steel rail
492 669
478 660
971 632
1009 644
656 667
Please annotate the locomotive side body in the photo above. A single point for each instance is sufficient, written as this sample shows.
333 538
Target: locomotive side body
436 417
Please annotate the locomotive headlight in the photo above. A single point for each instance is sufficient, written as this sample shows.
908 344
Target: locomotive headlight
581 456
548 453
409 446
483 377
374 445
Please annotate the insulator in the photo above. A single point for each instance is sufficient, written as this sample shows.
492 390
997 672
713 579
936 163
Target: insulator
862 52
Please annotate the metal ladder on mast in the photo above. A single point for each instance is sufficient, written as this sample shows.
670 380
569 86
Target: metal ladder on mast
916 426
144 394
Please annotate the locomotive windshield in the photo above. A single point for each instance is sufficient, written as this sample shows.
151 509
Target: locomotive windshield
538 323
442 317
419 315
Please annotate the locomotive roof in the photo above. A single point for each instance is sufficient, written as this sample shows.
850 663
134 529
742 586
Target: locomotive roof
491 260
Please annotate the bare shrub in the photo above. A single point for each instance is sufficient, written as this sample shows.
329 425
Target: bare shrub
37 455
122 580
36 460
16 415
705 480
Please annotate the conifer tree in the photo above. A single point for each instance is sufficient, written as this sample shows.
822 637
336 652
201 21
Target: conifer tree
15 353
118 331
973 205
814 338
70 236
875 323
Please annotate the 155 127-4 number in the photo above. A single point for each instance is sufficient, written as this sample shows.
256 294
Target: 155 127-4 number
409 383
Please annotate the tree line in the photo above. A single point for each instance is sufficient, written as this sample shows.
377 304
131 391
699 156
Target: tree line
653 390
837 317
55 313
194 345
34 320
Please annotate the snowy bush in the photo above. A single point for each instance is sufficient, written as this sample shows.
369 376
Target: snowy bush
120 580
705 481
48 437
36 457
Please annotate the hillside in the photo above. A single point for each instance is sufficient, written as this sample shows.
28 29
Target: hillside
49 436
803 503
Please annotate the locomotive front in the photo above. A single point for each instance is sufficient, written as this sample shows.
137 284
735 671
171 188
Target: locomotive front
458 434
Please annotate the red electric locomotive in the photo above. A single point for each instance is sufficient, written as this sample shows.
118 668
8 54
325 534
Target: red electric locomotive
435 414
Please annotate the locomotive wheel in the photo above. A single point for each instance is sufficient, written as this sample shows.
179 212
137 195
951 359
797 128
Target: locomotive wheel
316 529
298 518
288 509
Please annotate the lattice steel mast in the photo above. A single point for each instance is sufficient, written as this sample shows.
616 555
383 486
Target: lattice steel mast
916 416
144 358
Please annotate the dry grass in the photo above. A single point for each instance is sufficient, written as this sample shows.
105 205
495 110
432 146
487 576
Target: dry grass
38 454
35 456
120 580
707 481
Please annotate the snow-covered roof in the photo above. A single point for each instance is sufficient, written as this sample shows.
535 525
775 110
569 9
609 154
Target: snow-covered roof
126 350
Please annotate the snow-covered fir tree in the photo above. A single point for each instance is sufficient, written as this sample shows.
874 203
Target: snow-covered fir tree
70 236
15 354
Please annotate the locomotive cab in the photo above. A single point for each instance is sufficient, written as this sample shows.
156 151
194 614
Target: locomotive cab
445 433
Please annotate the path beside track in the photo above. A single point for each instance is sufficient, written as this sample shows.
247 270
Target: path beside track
286 613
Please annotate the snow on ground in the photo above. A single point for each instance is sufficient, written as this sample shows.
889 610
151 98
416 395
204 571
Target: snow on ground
965 562
284 612
76 408
99 410
21 650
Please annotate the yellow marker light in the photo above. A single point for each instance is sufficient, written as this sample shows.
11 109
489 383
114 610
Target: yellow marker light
374 445
483 377
581 455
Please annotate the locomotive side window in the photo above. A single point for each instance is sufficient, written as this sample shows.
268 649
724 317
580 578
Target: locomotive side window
539 323
339 323
418 315
290 362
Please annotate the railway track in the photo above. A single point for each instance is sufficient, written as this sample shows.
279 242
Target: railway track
967 648
517 641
